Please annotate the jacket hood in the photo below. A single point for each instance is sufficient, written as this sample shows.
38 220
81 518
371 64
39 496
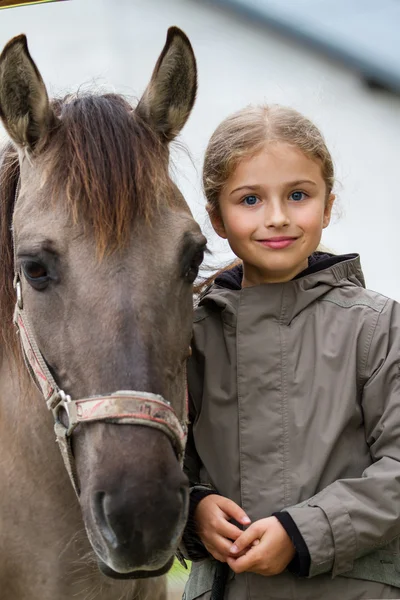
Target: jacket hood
284 301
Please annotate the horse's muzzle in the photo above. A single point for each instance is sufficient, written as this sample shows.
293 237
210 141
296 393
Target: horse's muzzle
131 540
134 509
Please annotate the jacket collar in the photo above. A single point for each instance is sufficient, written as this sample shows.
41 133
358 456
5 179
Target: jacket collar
284 301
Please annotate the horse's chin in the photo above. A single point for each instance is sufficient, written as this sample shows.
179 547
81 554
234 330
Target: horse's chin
140 574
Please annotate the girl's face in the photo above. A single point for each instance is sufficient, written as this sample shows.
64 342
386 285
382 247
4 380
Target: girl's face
273 209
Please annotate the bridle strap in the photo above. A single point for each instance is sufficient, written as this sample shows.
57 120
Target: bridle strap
33 358
129 408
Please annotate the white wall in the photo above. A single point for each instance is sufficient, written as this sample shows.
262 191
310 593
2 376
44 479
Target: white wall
117 42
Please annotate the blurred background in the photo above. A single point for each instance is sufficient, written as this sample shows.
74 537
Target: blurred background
328 59
337 61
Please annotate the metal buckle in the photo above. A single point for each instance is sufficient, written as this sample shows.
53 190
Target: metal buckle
66 403
64 397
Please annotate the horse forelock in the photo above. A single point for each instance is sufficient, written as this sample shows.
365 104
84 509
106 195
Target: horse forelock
108 164
111 165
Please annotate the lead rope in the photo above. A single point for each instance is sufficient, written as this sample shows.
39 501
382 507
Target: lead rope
219 582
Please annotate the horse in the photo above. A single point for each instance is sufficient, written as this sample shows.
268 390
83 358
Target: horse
98 254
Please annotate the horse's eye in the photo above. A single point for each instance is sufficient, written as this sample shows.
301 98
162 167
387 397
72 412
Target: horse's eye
35 272
193 270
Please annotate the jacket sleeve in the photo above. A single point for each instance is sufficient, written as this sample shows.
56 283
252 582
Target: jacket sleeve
191 546
352 517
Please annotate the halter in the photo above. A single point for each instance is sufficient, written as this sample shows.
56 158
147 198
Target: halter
123 407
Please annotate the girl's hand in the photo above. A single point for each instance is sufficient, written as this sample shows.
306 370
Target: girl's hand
212 517
270 556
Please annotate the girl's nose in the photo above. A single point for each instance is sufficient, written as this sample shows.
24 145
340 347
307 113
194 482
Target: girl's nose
276 214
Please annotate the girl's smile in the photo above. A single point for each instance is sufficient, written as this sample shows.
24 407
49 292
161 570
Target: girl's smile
272 211
278 242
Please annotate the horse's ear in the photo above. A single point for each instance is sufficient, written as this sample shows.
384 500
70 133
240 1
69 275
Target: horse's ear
24 104
170 95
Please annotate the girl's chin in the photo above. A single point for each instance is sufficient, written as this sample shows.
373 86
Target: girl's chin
273 272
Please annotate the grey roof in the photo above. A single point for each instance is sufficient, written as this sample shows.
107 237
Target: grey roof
364 34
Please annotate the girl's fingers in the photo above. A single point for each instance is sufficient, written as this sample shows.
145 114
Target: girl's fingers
248 561
247 538
233 510
243 563
228 530
220 545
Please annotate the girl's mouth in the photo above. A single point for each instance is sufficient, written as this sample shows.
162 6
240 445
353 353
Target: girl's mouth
277 243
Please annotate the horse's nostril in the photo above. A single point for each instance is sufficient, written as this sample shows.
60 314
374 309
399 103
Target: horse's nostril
101 518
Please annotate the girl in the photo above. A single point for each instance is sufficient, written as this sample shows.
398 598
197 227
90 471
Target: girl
294 381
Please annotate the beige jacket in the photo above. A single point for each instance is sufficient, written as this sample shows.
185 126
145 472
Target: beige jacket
295 405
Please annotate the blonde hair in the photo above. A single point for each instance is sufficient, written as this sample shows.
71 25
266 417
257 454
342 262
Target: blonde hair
246 132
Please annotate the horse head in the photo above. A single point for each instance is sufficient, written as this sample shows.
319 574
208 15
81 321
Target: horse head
105 251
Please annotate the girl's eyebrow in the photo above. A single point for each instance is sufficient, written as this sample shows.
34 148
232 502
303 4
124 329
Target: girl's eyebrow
245 187
299 182
287 184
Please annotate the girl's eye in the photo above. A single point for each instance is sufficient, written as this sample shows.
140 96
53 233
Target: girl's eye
297 196
35 272
250 200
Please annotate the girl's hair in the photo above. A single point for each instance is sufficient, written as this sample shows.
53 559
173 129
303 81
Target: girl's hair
244 134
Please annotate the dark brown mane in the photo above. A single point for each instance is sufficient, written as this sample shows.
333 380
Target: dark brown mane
9 173
112 167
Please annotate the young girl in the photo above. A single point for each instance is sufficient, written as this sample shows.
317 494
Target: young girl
294 382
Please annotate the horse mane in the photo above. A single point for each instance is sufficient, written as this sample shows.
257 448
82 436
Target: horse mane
9 174
112 168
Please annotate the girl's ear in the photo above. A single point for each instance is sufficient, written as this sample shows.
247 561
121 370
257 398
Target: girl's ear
217 223
328 210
